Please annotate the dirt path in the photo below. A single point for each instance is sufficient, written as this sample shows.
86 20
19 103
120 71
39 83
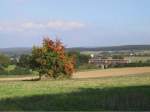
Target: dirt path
95 73
112 72
18 79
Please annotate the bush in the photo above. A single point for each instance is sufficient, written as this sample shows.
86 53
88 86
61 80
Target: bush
52 60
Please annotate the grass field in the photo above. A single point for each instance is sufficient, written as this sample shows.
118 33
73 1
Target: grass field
112 93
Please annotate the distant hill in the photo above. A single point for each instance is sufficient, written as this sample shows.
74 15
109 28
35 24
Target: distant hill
111 48
19 51
15 51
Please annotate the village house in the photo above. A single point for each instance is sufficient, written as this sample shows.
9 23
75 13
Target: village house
106 62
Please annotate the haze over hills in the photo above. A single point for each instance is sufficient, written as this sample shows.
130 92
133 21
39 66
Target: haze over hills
27 50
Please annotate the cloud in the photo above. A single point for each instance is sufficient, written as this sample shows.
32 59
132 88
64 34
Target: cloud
32 25
52 25
65 25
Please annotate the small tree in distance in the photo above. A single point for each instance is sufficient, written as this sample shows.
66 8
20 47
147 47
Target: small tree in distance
52 60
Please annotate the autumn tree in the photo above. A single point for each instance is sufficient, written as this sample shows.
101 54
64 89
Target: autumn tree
52 60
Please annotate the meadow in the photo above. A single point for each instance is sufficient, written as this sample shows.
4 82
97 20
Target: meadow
130 92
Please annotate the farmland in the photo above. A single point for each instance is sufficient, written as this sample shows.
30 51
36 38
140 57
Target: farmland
93 73
112 72
126 92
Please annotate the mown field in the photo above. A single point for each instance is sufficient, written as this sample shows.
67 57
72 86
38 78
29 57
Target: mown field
112 93
111 72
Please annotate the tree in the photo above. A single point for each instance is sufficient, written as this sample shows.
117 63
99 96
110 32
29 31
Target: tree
24 61
118 57
52 60
4 60
80 59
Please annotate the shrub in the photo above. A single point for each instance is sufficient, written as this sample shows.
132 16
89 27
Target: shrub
52 60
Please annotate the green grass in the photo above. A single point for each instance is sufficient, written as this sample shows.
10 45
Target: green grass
114 93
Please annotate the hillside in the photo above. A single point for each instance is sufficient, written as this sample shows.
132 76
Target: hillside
19 51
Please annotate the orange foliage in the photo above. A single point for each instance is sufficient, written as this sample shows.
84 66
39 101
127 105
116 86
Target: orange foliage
57 47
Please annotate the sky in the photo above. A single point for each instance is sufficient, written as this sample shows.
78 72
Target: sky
77 23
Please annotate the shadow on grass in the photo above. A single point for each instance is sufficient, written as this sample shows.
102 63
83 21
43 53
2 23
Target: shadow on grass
127 98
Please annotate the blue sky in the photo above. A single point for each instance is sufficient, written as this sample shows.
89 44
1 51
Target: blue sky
23 23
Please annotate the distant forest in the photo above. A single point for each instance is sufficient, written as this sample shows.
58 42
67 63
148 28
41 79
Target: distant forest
19 51
112 48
